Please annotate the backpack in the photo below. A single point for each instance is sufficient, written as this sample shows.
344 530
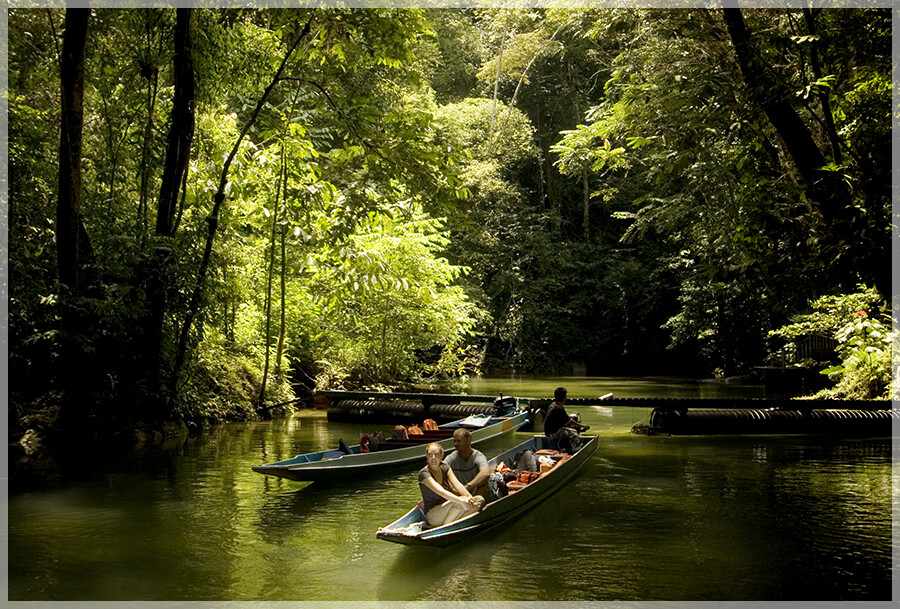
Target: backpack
524 462
376 439
497 485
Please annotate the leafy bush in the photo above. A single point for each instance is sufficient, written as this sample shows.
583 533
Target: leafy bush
860 325
387 306
223 383
864 345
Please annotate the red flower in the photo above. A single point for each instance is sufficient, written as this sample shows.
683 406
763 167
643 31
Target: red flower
861 314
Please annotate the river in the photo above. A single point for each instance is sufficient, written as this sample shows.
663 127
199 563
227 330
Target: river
648 518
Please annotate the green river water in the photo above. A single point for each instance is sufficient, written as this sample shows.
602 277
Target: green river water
648 518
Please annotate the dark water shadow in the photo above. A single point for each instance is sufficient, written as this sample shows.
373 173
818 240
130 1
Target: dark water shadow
285 508
417 570
86 464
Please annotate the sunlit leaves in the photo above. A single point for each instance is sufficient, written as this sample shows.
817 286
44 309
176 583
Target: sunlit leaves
384 294
818 86
346 40
864 341
518 54
588 145
466 126
234 59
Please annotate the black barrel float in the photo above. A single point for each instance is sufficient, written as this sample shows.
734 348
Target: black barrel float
675 421
405 412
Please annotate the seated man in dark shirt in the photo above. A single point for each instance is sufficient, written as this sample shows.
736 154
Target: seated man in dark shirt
559 426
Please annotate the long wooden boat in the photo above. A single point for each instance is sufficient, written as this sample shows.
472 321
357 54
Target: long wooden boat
411 529
335 465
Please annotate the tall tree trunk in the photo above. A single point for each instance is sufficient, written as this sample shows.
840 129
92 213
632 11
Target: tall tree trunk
841 236
178 149
542 177
585 184
181 130
151 73
212 221
71 242
270 275
773 100
280 195
282 329
823 94
552 203
497 82
586 204
279 351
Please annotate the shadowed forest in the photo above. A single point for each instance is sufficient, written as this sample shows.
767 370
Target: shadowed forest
212 212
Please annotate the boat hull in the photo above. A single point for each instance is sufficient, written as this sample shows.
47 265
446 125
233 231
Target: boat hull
498 511
322 467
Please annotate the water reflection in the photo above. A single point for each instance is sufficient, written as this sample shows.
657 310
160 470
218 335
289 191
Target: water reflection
623 387
649 518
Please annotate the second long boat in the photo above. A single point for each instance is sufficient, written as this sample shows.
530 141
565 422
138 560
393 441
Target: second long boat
337 464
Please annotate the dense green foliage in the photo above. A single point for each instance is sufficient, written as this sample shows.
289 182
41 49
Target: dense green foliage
374 197
860 324
685 154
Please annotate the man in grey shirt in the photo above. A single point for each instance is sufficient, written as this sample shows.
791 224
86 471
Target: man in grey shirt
469 465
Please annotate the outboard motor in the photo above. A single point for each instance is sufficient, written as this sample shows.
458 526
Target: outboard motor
504 407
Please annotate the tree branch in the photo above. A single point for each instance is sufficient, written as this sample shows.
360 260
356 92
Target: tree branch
213 219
